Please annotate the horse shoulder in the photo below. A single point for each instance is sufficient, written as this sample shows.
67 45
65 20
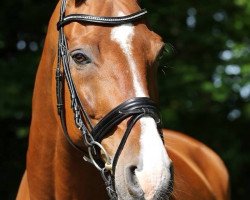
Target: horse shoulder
199 171
23 191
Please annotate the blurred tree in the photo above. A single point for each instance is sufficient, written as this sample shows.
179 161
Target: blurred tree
207 81
204 78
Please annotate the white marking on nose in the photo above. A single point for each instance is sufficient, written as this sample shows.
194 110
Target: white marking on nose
153 168
123 35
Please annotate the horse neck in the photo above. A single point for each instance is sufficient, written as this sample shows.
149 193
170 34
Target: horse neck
52 164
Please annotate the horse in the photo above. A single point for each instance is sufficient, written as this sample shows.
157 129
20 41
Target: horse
95 100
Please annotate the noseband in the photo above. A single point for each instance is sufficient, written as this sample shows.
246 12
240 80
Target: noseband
132 109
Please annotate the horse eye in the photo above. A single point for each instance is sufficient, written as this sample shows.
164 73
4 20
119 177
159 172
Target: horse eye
80 58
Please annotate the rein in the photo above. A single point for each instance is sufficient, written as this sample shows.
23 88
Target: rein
132 109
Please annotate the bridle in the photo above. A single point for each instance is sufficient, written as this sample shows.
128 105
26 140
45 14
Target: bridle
132 109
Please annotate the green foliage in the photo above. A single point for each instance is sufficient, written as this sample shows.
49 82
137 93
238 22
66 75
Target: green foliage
17 79
205 87
204 76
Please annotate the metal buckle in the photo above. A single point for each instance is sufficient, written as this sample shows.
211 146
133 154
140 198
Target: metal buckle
92 147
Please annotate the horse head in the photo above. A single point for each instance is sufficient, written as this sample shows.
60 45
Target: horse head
110 75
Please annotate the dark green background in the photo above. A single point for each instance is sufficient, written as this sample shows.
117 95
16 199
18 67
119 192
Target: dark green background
204 78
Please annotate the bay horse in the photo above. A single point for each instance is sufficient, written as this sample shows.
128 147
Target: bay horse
94 100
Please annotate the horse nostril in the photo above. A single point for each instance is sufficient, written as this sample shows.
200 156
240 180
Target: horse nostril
132 183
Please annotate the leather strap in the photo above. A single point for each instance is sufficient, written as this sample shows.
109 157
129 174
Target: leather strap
100 19
132 107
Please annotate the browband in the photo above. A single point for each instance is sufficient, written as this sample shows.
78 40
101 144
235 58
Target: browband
101 20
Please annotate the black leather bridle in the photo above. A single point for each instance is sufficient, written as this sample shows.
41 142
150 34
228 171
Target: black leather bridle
132 109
